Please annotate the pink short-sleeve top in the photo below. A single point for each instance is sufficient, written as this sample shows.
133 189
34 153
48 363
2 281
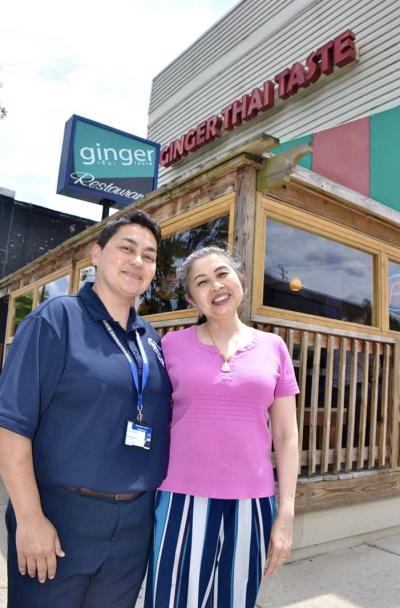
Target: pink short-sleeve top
220 439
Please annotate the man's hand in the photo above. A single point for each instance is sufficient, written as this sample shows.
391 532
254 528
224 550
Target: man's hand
280 544
38 547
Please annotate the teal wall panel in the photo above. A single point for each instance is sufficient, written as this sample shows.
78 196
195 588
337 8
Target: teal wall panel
385 157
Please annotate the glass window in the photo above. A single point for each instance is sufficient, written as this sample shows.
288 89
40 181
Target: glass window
59 287
165 294
87 274
315 275
6 349
394 296
23 306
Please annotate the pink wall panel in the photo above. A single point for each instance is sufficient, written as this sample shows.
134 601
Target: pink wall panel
342 154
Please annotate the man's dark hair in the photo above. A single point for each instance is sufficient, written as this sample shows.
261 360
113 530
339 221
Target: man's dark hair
135 217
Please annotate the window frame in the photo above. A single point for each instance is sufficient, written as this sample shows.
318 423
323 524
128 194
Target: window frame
385 288
269 208
65 271
83 263
224 205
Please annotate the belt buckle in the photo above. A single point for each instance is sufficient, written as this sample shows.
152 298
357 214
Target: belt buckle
116 496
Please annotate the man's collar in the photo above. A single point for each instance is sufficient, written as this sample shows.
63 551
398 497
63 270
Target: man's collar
98 311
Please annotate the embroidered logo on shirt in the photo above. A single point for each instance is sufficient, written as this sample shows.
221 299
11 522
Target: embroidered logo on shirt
157 350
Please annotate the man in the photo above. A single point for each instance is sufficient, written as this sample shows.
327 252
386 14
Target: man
84 417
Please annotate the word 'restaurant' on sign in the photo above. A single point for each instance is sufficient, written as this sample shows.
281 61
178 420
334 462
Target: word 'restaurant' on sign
336 53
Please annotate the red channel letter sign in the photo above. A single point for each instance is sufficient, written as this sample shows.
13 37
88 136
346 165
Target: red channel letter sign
336 53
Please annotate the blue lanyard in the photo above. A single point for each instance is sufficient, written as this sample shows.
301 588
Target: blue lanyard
133 366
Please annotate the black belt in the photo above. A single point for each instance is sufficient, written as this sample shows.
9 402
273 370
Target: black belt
94 494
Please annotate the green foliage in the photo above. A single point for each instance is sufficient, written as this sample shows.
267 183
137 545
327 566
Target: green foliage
3 111
166 293
23 306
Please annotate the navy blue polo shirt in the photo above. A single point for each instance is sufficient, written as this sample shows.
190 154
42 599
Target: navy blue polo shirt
67 386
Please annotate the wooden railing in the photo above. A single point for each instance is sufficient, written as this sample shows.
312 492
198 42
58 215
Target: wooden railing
348 406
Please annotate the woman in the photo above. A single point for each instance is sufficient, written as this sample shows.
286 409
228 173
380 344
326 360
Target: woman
215 511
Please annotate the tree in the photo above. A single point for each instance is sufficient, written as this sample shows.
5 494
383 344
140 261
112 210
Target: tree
3 111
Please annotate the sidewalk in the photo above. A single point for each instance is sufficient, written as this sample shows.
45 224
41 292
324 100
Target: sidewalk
364 576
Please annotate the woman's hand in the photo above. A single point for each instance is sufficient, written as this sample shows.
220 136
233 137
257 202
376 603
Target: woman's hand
38 547
280 544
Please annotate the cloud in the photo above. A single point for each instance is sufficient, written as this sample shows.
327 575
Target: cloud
92 58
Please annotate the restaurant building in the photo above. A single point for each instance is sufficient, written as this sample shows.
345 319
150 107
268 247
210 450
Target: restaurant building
320 79
278 130
28 231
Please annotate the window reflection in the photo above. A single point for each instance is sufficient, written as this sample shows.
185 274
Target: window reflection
165 294
394 296
87 274
59 287
315 275
23 306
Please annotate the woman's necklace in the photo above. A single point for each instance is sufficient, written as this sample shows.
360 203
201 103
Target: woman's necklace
225 367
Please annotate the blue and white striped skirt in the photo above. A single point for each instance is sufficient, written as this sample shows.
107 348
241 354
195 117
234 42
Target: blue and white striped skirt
208 552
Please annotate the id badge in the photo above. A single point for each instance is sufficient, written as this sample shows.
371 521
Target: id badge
138 435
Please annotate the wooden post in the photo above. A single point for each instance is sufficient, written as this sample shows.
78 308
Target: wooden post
316 370
340 404
363 406
301 400
394 418
106 208
384 407
372 451
243 244
326 437
351 406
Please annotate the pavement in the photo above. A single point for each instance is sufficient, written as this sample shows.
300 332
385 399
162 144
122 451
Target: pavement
365 575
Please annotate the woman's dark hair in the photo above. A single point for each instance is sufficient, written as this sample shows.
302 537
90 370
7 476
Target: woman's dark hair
135 217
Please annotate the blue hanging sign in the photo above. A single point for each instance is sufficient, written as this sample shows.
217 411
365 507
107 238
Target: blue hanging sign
99 164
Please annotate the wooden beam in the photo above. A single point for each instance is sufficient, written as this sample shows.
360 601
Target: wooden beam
340 405
316 370
351 406
243 241
368 205
363 407
301 398
251 146
324 204
314 327
373 412
359 488
167 323
326 436
277 167
384 406
394 418
381 292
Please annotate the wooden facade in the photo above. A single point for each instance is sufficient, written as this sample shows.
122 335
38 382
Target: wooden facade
348 407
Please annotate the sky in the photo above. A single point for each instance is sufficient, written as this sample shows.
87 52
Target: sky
94 58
